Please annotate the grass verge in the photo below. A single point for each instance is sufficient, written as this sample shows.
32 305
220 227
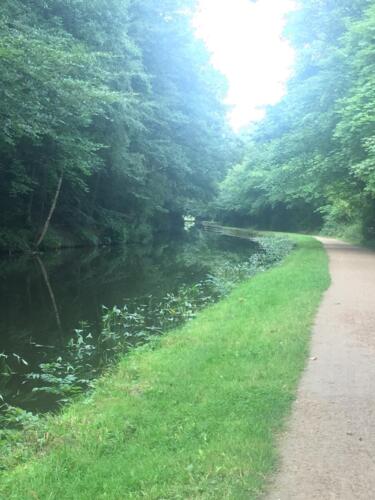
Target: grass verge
196 413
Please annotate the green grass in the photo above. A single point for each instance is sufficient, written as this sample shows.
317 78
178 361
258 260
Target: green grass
195 415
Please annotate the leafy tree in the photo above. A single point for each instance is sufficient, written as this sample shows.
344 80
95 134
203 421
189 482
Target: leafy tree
312 156
112 120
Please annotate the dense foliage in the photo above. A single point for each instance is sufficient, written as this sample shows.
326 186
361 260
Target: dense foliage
112 122
311 161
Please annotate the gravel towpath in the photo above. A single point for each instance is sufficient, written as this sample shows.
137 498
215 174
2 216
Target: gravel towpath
328 449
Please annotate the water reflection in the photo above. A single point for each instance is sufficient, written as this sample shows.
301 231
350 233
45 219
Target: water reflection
44 298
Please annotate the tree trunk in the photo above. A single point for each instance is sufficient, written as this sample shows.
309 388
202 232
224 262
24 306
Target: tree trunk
51 210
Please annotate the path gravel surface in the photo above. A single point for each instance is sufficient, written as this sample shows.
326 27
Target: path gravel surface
328 449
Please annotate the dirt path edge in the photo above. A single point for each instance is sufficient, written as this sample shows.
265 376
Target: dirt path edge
328 448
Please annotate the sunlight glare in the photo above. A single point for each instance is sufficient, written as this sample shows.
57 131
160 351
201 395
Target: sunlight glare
247 46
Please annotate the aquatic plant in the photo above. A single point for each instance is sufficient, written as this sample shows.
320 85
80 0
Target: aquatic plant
87 355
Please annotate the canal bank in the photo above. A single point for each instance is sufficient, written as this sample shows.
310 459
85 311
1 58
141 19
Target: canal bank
192 414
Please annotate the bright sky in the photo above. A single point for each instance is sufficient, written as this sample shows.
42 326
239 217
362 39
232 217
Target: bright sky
245 39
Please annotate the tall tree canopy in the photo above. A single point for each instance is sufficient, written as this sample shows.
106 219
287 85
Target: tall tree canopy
112 121
312 159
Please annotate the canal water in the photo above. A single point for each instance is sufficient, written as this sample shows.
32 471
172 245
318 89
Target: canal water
44 299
